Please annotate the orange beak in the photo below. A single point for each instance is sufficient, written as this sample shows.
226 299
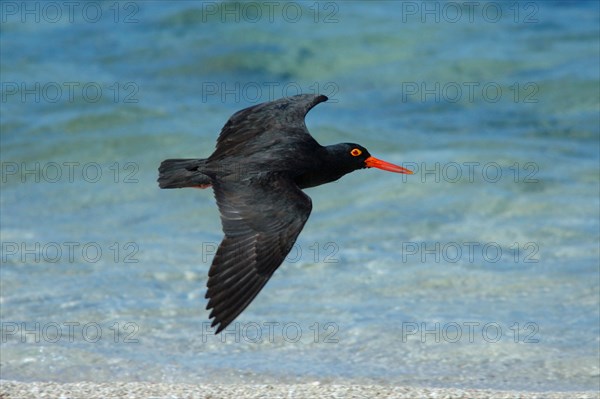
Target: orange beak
373 162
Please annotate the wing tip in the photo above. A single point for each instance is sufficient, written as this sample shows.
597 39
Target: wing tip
215 320
316 99
221 325
321 98
308 105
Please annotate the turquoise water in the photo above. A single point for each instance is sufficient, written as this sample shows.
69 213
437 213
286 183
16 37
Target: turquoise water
481 270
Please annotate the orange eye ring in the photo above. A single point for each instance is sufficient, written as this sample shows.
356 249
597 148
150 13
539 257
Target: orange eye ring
355 152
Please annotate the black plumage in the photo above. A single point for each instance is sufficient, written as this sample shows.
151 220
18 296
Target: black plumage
264 157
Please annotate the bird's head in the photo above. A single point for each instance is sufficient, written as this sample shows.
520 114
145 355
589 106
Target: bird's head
341 159
355 156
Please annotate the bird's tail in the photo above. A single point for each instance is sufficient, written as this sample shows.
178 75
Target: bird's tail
179 173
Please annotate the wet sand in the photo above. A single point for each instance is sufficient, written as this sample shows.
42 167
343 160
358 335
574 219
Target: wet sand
131 390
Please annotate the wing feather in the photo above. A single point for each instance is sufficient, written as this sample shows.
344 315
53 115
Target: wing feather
262 219
271 124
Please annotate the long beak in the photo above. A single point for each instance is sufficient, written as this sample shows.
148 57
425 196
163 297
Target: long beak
373 162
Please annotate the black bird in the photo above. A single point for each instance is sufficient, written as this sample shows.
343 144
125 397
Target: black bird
264 157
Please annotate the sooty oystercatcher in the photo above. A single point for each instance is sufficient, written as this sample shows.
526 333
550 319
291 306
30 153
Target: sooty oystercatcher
264 157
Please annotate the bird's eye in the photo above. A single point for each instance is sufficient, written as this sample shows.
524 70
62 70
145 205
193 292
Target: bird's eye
355 152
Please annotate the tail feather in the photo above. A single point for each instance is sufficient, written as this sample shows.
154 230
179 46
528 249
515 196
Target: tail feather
179 173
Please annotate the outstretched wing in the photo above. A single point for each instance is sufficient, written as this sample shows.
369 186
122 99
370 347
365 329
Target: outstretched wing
267 124
261 219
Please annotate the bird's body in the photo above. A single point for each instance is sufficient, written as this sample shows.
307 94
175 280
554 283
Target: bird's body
264 157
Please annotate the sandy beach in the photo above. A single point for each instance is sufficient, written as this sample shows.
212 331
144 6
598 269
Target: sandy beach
131 390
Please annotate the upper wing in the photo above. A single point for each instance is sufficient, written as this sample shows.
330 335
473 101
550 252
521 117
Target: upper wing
275 122
261 219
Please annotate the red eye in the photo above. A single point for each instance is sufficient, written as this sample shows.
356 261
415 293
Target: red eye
355 152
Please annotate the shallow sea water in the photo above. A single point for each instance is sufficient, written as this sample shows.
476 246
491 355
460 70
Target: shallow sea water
480 271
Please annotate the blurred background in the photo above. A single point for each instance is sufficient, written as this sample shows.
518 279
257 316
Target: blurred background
480 270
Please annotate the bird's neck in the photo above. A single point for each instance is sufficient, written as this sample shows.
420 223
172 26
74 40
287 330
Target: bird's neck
325 169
